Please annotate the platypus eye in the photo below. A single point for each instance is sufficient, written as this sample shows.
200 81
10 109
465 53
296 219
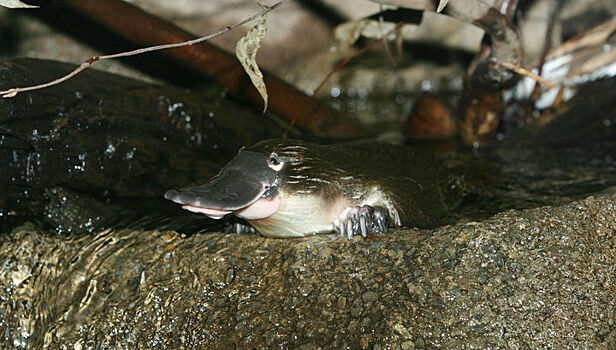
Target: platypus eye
274 162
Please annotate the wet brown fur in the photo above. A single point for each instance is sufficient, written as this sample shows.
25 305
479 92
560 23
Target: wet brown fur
420 190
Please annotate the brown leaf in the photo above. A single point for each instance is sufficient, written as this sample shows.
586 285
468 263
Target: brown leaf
441 5
14 4
246 52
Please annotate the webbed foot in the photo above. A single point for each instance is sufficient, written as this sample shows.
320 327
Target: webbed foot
364 220
240 227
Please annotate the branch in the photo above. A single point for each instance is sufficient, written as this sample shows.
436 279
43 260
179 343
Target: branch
87 63
525 72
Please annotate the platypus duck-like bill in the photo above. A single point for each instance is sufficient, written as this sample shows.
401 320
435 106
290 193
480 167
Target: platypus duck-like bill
246 187
287 188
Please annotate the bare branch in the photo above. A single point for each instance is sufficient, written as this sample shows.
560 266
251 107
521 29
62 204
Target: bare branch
525 72
383 38
87 63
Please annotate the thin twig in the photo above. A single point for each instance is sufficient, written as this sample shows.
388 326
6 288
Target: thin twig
87 63
523 71
340 65
352 57
547 44
385 43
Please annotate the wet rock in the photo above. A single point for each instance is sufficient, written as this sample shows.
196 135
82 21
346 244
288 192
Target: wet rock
536 278
75 213
108 137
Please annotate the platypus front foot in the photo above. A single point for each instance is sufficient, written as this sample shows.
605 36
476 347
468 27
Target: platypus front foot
364 220
239 227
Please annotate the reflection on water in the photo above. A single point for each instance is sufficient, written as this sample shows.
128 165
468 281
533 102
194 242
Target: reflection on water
518 178
56 291
54 284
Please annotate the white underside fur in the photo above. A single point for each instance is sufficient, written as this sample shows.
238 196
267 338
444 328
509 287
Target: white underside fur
302 215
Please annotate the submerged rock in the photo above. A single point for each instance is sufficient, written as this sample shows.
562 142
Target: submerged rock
537 278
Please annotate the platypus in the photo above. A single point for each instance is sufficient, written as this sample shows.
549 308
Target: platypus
290 188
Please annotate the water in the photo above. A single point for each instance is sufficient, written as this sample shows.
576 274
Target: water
60 291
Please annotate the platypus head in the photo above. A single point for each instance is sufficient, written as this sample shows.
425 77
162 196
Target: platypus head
248 186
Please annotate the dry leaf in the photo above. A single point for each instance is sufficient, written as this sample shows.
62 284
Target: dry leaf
246 52
347 33
14 4
441 5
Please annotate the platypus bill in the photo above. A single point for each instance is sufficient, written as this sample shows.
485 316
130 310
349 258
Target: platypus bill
288 188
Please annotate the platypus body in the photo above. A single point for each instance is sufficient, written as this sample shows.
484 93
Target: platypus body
289 188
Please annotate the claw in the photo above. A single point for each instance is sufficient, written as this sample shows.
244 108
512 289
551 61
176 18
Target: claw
362 225
364 220
337 227
381 220
239 227
349 228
